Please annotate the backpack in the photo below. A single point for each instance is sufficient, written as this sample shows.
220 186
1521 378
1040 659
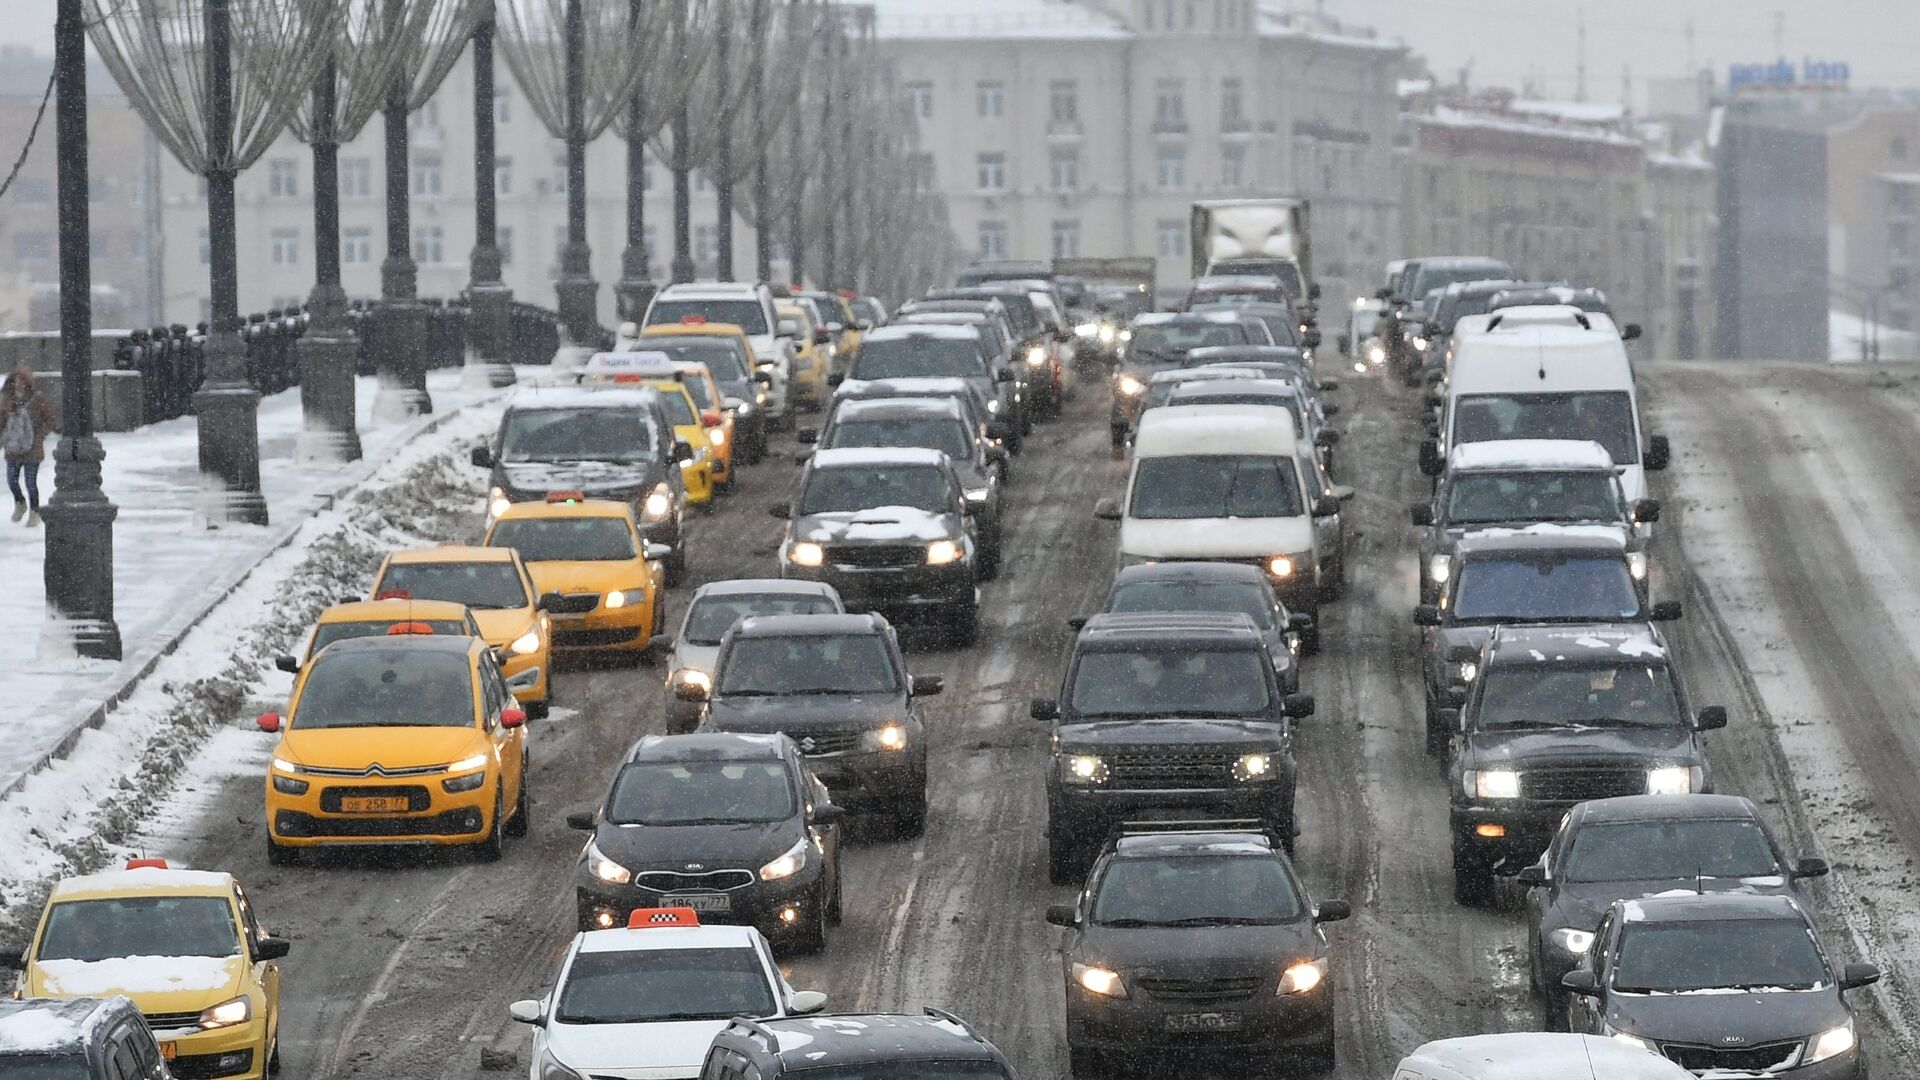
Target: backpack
17 437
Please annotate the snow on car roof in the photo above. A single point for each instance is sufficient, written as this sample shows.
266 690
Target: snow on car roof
41 1026
653 938
1530 454
571 397
900 331
144 879
1607 535
878 455
1529 1055
1220 429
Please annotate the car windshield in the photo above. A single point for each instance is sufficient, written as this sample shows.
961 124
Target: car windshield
713 616
1172 683
1605 417
808 664
578 435
641 986
723 360
1481 498
679 407
946 434
1195 890
327 633
387 687
748 315
483 586
140 926
701 793
1364 322
922 356
906 1070
1212 596
1680 850
568 539
1545 589
1171 340
44 1067
1539 695
853 488
1717 954
1214 486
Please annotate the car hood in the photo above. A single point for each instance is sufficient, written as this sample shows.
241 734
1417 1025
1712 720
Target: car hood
594 477
674 847
1579 904
157 984
811 711
1096 733
879 525
1727 1018
1204 952
1671 744
1216 538
499 626
588 577
1452 534
671 1050
389 747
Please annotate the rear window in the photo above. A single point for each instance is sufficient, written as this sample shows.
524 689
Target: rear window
748 315
328 633
478 585
1209 596
713 616
586 539
1545 589
1215 486
921 357
386 687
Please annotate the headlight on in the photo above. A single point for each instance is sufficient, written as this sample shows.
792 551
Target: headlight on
1303 977
620 598
471 761
1108 335
1419 344
659 502
806 553
1085 769
281 764
976 495
1831 1043
527 643
1129 386
1126 335
1086 329
1377 355
1099 980
942 552
1574 941
1637 565
745 408
717 435
1036 356
1466 671
694 677
1634 1041
1493 784
993 407
1673 780
1439 569
1280 566
497 502
1252 768
887 737
788 864
604 868
226 1014
287 785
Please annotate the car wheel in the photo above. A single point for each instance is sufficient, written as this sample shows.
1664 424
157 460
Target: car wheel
281 854
910 820
522 818
1088 1064
1472 881
834 907
1310 637
489 850
1063 859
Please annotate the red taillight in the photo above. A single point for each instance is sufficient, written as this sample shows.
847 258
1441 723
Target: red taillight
400 628
710 419
628 378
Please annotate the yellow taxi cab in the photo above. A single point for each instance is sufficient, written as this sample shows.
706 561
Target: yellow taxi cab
185 946
406 738
494 584
371 618
808 383
850 332
602 578
661 371
765 386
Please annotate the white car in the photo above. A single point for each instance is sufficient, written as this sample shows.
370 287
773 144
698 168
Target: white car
748 306
645 1001
713 610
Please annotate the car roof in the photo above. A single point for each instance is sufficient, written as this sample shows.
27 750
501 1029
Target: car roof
1244 281
1201 374
857 456
1225 573
455 553
871 408
655 938
1563 643
1548 536
876 1037
578 508
765 587
1530 1055
1219 353
1666 808
1222 841
822 625
143 881
1193 627
1219 429
55 1026
1710 907
1275 388
1186 318
393 609
709 746
703 290
903 331
617 396
1521 454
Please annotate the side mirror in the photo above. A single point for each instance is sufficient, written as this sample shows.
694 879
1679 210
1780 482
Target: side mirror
1532 877
682 450
288 664
1435 376
1327 437
653 552
827 814
806 1001
1297 706
1449 720
1077 622
1329 385
1300 621
689 691
925 685
1346 343
1646 511
1063 915
1456 696
1810 868
997 454
1711 718
1665 611
780 510
271 948
13 957
513 718
549 601
1383 294
1432 424
1426 615
1313 292
1421 513
1630 332
1311 339
1330 409
764 378
822 336
836 378
1580 981
482 457
1855 976
807 435
268 721
1107 509
1659 453
1327 911
1431 463
787 328
1044 709
582 820
527 1012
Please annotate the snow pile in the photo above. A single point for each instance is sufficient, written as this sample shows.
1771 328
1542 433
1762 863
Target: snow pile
1850 340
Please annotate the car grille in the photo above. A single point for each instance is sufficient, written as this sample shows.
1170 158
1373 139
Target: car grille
417 797
1746 1059
878 556
1579 785
165 1021
573 603
817 743
594 639
1162 770
373 770
292 823
669 881
1201 990
209 1066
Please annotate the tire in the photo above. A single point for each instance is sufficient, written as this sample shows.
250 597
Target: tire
812 937
835 910
963 622
910 818
1472 882
1310 637
489 849
1437 738
1088 1064
676 565
281 854
522 819
1063 860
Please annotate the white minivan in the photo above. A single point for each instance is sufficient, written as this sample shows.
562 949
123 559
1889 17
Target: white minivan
1547 373
1535 1055
1232 483
747 305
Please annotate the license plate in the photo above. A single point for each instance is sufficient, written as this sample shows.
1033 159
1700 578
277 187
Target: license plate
169 1050
373 804
1208 1021
702 902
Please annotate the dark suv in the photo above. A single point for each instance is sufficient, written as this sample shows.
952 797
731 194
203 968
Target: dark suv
735 827
77 1039
891 529
838 686
1558 715
869 1046
1166 713
1212 587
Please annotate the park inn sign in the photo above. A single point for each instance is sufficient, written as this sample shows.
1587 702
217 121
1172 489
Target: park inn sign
1782 75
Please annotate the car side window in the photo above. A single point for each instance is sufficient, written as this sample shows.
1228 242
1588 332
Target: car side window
247 917
147 1052
1602 949
122 1062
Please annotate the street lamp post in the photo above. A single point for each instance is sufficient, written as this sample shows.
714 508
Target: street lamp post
328 432
490 325
577 291
400 322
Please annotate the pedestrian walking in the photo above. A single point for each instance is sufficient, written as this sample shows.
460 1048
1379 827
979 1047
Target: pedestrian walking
25 422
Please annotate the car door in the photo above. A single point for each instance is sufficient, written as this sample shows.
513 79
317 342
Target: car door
509 744
265 972
1327 531
1587 1014
826 838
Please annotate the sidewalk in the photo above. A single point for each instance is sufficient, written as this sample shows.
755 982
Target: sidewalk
166 573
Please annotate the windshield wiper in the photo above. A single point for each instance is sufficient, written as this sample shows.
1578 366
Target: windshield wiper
1220 920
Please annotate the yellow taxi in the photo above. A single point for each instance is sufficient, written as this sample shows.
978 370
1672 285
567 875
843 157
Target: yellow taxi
406 738
841 301
602 579
493 584
185 946
371 618
811 364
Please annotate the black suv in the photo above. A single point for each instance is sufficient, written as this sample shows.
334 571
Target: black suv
1196 937
926 351
872 1046
838 686
891 529
1556 716
733 826
1166 713
1212 587
78 1039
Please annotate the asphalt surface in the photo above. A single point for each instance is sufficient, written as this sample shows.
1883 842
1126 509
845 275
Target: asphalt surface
405 966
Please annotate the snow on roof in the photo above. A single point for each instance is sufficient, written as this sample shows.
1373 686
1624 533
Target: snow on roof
138 975
1278 18
1610 534
40 1026
1531 454
878 455
536 397
1215 429
143 879
1583 112
899 331
1408 87
945 19
1449 117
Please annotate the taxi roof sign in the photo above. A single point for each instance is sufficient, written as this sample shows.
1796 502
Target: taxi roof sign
393 594
648 918
401 628
566 496
147 864
694 320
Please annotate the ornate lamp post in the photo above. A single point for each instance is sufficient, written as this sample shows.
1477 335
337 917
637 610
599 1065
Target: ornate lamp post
489 325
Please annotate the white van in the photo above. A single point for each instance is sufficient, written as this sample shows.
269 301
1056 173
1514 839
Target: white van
1535 1055
1547 373
1231 483
747 305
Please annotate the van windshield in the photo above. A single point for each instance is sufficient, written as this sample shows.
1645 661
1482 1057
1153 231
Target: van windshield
1215 486
748 315
1602 416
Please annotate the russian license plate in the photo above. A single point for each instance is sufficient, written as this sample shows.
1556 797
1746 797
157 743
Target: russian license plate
373 804
169 1050
702 901
1207 1021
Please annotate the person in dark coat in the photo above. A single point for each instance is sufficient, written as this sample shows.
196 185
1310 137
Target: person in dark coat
26 419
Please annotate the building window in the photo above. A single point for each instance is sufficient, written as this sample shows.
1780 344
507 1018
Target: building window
426 174
1170 104
36 248
1066 239
1063 97
33 191
502 103
991 172
429 248
920 96
706 244
503 239
1170 166
923 174
1233 166
206 248
284 245
282 178
1232 105
990 100
356 178
503 175
993 240
1065 170
1172 236
356 246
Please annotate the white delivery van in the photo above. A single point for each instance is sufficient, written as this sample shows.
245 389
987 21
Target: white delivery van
1547 373
1535 1055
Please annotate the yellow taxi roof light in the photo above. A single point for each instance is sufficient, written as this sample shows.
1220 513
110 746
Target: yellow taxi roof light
565 496
648 918
147 864
400 628
393 594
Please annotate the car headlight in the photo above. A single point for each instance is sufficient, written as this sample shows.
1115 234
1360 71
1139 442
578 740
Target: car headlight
226 1014
1674 780
1493 783
1634 1041
887 737
788 864
1376 355
471 761
1252 768
1419 344
604 868
977 495
1830 1043
1126 335
527 643
469 782
1439 569
993 407
1108 335
552 1069
1303 977
1036 356
1098 980
1466 671
620 598
659 502
1280 566
942 552
287 785
497 502
281 764
694 677
1129 386
717 436
1086 329
1574 941
745 408
806 553
1083 769
1637 565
